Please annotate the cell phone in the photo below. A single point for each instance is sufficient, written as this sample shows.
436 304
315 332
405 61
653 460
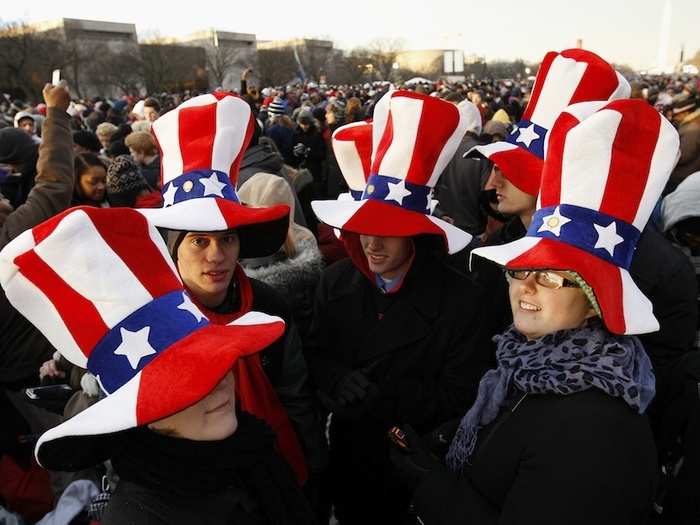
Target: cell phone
50 392
398 438
56 77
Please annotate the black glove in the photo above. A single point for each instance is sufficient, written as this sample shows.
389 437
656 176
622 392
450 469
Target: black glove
411 457
438 441
354 387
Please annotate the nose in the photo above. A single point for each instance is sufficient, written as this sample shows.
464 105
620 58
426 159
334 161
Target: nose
215 252
528 285
495 180
375 244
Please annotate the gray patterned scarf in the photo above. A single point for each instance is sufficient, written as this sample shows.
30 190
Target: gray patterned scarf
563 362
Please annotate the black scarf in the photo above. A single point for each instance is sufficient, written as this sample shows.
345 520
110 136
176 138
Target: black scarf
246 460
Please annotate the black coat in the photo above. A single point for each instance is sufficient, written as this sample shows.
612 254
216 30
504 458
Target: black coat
423 349
585 458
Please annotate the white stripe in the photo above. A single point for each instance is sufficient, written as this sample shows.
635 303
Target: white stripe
336 213
200 215
114 413
456 239
662 163
623 89
232 118
256 318
563 77
92 268
637 309
157 239
36 307
405 116
380 117
201 100
586 159
450 147
490 149
350 163
505 253
19 245
167 131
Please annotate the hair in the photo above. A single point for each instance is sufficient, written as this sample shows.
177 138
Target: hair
106 129
84 161
152 103
353 106
142 142
454 97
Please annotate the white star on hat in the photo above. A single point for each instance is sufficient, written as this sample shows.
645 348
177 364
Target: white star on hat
169 196
188 306
527 135
397 192
212 186
608 237
135 345
553 223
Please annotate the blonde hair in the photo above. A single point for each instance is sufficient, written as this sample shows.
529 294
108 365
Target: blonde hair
141 142
106 129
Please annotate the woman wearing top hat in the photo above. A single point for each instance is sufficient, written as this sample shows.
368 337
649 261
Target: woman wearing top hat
171 421
202 142
558 432
394 328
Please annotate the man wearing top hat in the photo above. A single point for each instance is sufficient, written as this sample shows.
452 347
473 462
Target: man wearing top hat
202 142
395 335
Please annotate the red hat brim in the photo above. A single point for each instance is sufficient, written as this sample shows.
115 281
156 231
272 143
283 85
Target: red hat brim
374 217
518 165
178 378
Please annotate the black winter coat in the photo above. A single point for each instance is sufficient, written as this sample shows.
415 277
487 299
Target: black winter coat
422 348
585 458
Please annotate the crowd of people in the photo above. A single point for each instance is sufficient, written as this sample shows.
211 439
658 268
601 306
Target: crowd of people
432 303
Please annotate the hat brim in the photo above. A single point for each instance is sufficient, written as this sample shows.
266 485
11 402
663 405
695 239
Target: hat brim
625 309
373 217
262 231
518 165
176 379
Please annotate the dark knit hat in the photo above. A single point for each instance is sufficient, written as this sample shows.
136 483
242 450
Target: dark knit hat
124 182
88 140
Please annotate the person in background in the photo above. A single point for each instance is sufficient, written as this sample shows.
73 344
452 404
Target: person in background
143 151
90 181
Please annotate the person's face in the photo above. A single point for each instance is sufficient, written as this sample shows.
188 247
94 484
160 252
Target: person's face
150 114
304 125
104 140
213 418
92 183
387 256
138 156
206 262
538 311
511 200
27 125
476 98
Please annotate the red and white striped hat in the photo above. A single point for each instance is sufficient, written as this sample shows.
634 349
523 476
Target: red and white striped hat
569 77
414 136
201 144
352 147
102 288
605 170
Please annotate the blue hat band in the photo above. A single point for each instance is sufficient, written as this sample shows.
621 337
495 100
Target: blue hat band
198 184
133 343
356 194
528 136
398 192
601 235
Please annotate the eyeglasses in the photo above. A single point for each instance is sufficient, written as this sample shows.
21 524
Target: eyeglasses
545 278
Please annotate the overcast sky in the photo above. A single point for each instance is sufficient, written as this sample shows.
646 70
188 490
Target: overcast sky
622 31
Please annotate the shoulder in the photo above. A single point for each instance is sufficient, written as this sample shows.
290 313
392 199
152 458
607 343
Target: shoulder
267 300
134 505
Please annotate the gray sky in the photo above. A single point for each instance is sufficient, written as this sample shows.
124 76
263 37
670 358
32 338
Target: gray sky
622 31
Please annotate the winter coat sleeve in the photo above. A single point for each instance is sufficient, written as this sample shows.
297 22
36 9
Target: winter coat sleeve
295 394
53 188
